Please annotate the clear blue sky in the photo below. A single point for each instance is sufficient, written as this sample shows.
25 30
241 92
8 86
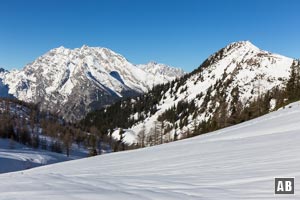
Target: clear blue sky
176 32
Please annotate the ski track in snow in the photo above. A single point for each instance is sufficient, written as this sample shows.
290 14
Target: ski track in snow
238 162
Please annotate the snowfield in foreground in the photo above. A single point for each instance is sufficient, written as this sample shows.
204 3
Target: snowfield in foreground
239 162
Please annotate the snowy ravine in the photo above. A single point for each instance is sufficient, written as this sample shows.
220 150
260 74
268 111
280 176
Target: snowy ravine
239 162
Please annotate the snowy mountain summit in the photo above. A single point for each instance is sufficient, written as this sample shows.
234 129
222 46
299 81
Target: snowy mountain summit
72 82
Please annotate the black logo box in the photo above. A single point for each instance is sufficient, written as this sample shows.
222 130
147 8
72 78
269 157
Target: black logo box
285 183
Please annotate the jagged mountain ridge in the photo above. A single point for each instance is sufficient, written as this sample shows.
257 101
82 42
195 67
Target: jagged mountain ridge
72 82
239 71
159 69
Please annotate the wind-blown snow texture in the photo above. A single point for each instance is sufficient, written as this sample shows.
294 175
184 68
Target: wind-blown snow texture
74 82
239 162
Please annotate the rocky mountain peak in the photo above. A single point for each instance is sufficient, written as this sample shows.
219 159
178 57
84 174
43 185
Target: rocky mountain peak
72 82
242 44
236 49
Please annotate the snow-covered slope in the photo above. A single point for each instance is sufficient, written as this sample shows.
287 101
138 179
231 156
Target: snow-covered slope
239 70
239 162
16 157
72 82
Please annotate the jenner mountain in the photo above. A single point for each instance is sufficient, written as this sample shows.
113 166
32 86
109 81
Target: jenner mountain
72 82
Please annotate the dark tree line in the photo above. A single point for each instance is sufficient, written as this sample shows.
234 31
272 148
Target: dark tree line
24 123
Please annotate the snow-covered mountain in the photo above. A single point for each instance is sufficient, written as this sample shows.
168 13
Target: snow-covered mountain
239 162
240 69
71 82
228 80
162 70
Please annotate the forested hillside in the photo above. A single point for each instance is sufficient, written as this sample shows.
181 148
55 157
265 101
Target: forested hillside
24 123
